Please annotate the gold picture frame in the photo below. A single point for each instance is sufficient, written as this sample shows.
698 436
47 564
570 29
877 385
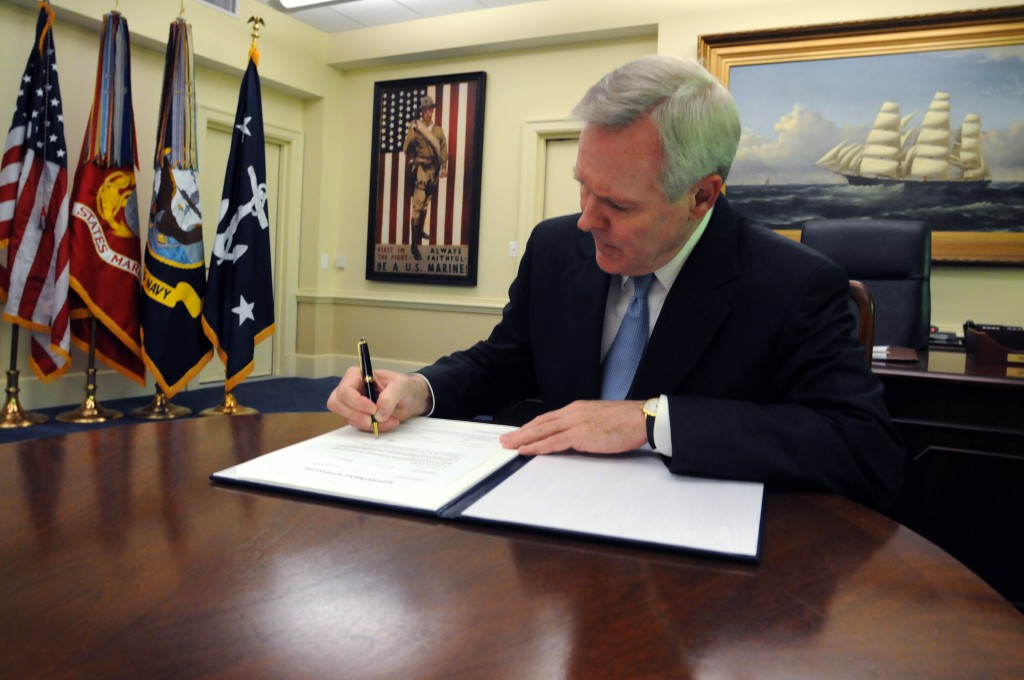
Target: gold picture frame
951 31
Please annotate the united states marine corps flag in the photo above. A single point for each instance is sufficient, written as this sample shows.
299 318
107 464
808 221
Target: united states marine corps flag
34 210
173 344
106 257
238 312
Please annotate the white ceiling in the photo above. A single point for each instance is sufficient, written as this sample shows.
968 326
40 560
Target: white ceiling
349 15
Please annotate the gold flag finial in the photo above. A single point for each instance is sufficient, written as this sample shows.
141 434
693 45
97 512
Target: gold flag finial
44 4
254 52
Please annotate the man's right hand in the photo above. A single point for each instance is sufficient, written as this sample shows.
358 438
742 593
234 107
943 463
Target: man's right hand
401 396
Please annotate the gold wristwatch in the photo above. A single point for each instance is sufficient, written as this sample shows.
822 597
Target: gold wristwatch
650 409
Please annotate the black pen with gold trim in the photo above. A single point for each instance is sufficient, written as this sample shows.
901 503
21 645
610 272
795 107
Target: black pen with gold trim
371 387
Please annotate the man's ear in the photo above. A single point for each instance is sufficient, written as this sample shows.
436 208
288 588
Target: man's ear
705 193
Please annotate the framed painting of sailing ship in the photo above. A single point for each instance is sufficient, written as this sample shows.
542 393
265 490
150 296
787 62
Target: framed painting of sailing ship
910 118
425 179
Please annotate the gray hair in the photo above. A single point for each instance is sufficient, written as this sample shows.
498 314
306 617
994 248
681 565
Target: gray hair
695 115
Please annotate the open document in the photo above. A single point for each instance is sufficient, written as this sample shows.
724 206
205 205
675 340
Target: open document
423 465
629 497
456 469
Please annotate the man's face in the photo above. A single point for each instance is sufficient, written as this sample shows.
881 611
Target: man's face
428 114
635 227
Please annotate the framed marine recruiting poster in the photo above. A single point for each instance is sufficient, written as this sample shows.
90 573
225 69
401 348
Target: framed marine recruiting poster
425 180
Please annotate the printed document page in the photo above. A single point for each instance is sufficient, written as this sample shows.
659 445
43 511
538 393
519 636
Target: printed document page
632 497
424 464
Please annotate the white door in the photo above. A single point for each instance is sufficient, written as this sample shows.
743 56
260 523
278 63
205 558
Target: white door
561 190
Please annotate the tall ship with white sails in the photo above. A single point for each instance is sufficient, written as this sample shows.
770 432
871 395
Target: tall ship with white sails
895 154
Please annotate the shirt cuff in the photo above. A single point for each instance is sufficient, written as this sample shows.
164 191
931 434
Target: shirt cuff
433 402
663 428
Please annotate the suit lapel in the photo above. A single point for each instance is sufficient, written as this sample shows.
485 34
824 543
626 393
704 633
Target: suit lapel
588 286
694 309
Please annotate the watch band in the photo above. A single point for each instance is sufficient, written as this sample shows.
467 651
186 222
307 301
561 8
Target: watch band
649 415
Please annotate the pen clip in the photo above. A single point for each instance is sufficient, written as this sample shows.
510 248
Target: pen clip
364 360
361 352
367 369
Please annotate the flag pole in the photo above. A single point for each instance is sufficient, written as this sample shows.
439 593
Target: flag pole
90 411
13 415
254 52
160 408
229 407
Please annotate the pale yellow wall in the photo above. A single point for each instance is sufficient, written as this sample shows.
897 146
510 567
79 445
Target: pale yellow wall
529 79
539 58
980 294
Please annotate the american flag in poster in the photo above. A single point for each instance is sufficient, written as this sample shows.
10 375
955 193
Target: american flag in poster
448 219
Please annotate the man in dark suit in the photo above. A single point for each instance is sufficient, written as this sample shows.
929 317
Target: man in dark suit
750 369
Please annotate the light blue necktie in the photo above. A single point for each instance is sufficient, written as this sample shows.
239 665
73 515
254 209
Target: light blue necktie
624 355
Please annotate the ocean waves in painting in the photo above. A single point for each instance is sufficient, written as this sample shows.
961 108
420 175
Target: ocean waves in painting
998 207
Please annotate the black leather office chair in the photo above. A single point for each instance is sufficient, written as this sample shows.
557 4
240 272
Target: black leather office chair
893 259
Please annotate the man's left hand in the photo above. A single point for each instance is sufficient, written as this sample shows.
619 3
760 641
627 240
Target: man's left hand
586 426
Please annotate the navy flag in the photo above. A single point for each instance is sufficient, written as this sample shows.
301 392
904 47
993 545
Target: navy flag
174 346
238 312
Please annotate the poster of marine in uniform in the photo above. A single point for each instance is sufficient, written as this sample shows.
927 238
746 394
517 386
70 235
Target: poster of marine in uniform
425 179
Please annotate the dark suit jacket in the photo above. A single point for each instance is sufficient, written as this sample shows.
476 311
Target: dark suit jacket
754 347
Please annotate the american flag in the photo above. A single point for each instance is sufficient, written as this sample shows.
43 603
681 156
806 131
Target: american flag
449 214
34 210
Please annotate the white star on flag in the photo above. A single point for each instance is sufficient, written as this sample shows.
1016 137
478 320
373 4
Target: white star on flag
244 310
243 127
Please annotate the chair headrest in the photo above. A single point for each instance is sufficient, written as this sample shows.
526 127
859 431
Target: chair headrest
873 249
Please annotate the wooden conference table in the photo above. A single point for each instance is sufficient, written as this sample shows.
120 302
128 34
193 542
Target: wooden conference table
120 559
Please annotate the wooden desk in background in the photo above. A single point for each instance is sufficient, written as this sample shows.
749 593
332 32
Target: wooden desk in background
118 558
963 424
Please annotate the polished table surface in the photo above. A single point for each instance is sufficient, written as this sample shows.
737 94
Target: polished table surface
120 559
